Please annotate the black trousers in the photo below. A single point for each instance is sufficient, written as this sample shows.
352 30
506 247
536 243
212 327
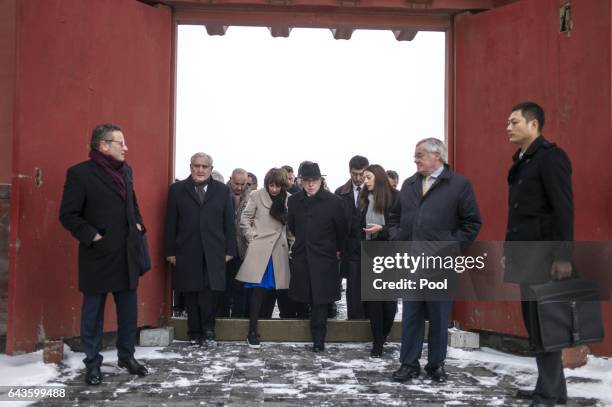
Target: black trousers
178 301
267 305
354 306
381 315
201 307
551 386
92 324
318 322
290 309
234 302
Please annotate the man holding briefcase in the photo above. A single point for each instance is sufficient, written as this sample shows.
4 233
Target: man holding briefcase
540 208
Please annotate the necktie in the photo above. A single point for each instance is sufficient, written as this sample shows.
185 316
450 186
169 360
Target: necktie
357 196
201 192
426 184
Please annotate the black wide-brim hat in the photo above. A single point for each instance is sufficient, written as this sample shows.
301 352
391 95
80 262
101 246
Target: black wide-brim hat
310 171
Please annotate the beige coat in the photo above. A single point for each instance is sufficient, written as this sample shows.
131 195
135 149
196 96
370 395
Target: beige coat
267 237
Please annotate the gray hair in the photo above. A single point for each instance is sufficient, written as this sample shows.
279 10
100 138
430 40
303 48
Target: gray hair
216 175
239 171
202 155
434 145
101 133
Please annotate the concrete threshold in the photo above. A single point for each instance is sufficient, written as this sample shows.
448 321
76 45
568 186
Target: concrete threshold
291 330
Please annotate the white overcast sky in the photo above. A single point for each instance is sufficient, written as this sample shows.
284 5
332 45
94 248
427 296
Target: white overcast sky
257 102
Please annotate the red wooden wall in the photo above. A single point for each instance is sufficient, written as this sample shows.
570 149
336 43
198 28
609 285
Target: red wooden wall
516 53
81 63
7 85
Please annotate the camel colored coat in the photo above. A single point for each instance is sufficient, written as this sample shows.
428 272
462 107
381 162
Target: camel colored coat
267 237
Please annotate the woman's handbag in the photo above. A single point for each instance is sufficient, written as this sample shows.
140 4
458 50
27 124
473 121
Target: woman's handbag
569 313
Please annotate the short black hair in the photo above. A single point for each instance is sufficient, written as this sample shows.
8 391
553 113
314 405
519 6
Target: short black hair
358 162
392 174
531 111
100 133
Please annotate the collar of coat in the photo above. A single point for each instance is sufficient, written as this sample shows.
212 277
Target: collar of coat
447 173
190 187
266 199
108 180
320 195
539 142
346 188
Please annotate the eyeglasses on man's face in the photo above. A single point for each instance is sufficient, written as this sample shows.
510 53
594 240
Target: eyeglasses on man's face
121 142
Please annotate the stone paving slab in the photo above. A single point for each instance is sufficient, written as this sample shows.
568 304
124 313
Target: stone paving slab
230 373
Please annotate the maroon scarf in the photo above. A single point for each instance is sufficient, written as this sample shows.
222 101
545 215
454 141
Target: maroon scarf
112 167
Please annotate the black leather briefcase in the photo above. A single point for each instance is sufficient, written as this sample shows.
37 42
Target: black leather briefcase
569 313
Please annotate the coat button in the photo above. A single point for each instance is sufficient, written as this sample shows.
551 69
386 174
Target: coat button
514 229
515 205
520 181
527 160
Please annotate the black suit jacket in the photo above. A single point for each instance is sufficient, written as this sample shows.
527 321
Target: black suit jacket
199 235
351 247
540 209
91 204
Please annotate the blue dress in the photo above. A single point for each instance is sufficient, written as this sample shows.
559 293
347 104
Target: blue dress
267 281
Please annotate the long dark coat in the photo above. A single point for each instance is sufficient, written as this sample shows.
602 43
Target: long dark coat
351 249
448 212
91 204
541 214
199 235
320 227
540 208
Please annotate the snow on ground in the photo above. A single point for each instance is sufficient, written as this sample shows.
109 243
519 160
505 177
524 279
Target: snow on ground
28 369
591 381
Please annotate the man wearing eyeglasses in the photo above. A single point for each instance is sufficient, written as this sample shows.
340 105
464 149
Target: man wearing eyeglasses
100 210
199 239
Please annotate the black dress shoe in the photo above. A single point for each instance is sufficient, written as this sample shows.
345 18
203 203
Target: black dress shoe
524 394
133 367
405 373
318 346
376 351
437 375
210 335
93 376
